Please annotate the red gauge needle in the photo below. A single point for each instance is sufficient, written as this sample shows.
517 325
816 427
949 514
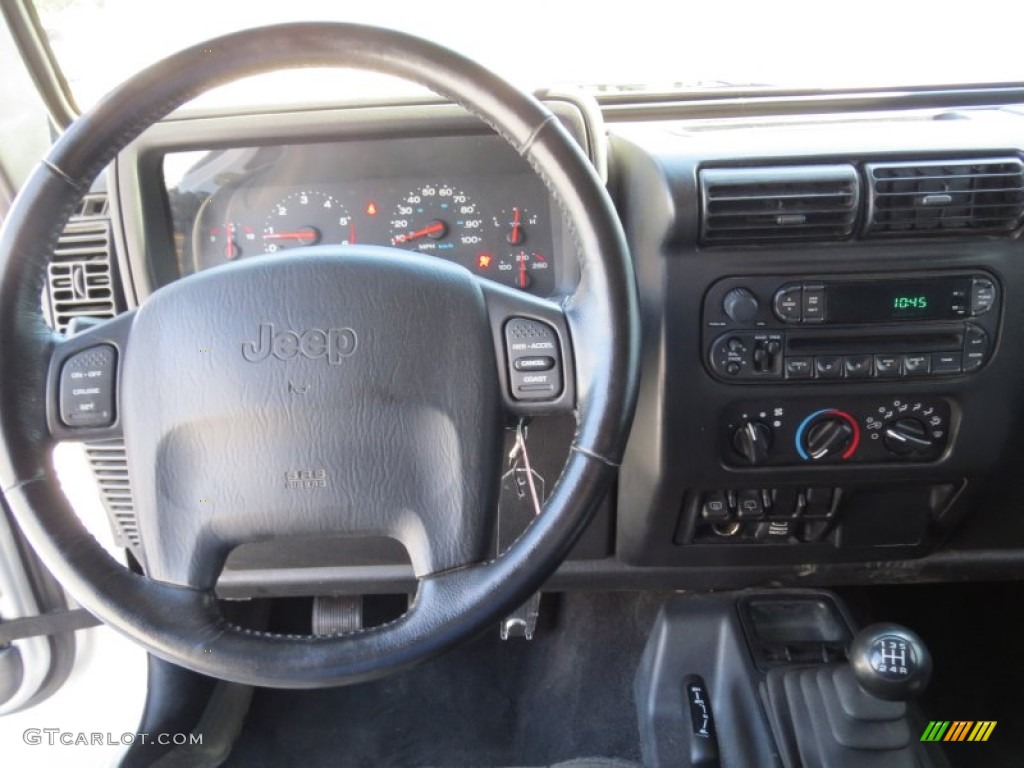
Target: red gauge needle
301 234
524 279
230 249
436 228
515 236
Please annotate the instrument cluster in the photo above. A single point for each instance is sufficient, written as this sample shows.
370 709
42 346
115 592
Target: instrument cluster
239 203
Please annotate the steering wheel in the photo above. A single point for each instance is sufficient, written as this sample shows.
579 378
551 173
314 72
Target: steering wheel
333 391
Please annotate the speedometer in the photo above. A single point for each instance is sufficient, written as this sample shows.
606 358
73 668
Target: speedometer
307 217
440 220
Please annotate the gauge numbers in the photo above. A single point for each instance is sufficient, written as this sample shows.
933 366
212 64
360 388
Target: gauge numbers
438 219
307 217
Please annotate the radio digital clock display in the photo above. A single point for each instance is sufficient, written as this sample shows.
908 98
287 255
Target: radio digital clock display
909 302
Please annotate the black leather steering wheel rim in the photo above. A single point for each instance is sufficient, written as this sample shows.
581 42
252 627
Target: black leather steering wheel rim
184 625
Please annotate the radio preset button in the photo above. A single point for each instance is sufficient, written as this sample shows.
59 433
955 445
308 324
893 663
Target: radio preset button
858 366
916 365
983 295
788 303
829 366
799 367
888 365
946 362
814 303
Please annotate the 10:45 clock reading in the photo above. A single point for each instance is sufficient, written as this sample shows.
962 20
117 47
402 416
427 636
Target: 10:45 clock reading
910 302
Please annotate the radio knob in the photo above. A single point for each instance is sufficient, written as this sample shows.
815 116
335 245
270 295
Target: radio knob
828 434
741 305
752 441
907 436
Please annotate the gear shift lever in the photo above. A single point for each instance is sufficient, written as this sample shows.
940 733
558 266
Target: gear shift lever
853 715
890 662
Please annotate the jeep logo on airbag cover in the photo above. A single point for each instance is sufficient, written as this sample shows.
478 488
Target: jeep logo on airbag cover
314 343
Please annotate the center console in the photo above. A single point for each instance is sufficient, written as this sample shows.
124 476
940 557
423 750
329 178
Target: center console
780 679
810 398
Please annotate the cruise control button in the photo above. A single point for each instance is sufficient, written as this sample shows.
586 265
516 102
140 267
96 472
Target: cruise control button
916 365
946 362
888 365
858 366
534 364
87 388
799 367
528 341
829 366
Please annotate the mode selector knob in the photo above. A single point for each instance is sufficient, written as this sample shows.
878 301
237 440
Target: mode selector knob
907 436
741 305
752 441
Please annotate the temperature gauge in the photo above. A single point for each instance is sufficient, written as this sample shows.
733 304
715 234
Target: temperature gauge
526 270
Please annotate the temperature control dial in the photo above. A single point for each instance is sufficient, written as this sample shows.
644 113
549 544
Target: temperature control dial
826 435
833 431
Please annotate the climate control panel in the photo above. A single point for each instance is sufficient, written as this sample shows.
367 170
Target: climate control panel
835 430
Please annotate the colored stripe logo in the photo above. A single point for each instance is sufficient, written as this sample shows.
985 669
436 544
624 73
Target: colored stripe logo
959 730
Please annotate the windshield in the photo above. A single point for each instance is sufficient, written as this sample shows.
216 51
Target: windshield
645 45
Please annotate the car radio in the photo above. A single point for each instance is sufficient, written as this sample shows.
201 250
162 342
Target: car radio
841 327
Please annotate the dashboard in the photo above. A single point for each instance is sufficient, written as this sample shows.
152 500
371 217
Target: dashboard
830 380
455 199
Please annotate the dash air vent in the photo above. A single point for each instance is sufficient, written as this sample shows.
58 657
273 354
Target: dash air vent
79 280
946 197
801 202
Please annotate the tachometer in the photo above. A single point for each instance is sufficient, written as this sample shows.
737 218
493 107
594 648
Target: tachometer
307 217
440 220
